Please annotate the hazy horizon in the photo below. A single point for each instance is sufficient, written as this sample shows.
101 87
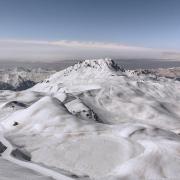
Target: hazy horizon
47 30
124 63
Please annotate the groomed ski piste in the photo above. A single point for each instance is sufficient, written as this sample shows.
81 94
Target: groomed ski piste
95 121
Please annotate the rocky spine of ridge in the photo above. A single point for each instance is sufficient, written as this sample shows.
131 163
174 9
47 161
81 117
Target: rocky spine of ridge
98 64
101 63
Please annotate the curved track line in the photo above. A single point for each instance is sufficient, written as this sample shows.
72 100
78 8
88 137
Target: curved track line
37 168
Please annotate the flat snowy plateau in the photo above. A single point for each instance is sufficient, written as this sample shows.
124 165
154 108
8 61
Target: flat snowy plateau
92 121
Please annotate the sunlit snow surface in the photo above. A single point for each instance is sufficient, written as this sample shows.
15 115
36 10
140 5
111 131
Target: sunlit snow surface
97 121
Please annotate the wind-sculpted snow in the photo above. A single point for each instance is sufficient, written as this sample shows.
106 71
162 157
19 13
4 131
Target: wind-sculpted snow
97 121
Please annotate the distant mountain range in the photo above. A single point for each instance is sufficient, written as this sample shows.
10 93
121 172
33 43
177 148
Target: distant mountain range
20 78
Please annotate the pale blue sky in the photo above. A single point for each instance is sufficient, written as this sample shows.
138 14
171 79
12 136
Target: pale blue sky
145 23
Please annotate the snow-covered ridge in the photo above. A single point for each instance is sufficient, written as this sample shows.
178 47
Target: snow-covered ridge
97 65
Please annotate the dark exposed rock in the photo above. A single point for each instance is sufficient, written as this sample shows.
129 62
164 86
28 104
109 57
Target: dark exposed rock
20 155
14 104
2 147
15 123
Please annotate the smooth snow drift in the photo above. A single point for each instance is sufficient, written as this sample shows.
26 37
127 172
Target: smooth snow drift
95 121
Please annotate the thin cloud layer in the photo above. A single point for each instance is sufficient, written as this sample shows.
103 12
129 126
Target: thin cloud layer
32 50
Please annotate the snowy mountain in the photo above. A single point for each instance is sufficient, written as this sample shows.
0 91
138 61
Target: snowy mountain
95 121
21 78
87 74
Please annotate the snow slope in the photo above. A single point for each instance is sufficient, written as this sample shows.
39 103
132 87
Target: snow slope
8 156
97 121
122 96
9 171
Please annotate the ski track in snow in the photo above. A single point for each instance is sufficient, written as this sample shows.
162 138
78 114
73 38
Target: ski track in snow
37 168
